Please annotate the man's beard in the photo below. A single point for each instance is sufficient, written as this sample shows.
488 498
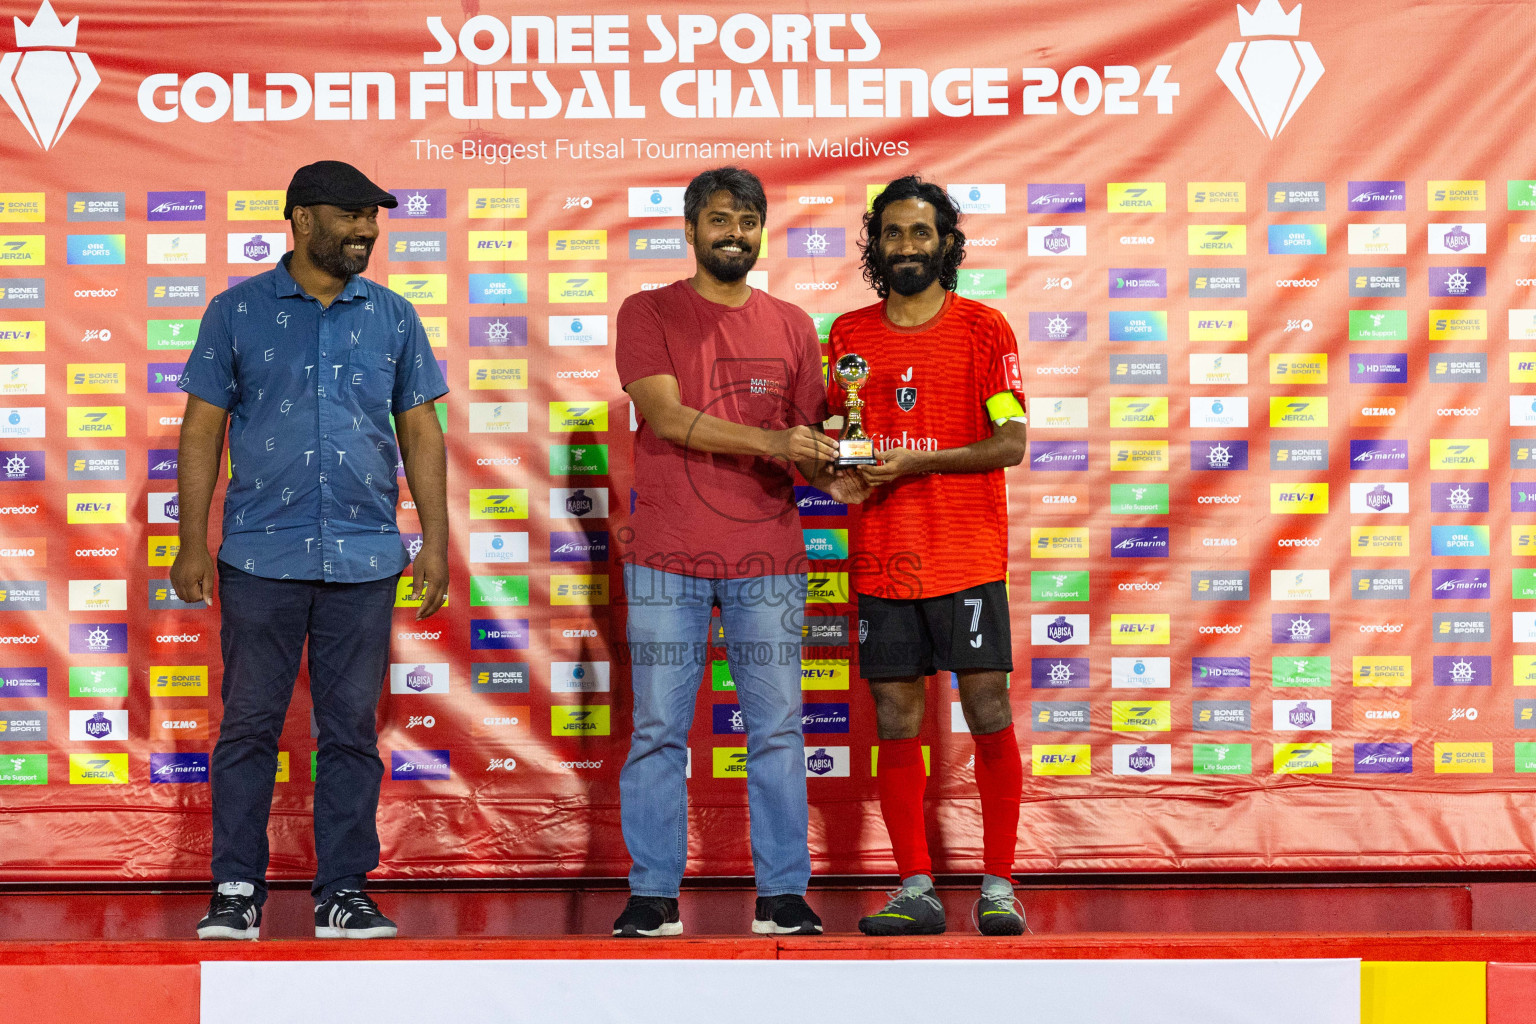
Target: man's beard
725 268
908 275
325 251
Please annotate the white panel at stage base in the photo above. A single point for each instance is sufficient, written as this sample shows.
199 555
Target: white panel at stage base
842 991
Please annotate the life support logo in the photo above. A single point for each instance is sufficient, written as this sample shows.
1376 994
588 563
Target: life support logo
45 85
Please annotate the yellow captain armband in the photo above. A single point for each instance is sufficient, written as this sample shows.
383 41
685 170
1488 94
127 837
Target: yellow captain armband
1004 406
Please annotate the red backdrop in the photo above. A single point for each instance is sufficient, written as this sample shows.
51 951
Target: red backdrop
1178 217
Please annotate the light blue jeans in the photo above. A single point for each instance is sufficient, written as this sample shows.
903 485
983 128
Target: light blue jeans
669 622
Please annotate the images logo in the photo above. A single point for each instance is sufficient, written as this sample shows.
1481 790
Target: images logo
1270 77
46 87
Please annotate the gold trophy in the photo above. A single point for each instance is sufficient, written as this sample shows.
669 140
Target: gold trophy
854 447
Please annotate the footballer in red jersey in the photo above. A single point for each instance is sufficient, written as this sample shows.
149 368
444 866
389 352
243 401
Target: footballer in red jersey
944 405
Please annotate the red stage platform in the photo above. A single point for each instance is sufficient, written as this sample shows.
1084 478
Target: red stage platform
1060 911
63 953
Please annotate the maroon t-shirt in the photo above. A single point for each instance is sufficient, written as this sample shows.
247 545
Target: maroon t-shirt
697 513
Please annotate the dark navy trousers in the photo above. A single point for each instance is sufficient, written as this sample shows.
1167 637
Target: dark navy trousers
264 624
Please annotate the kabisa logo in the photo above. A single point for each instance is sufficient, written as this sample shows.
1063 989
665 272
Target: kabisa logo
1142 760
819 762
1270 77
46 86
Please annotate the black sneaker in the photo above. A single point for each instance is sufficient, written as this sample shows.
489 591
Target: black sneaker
998 912
351 914
911 911
232 913
649 916
787 914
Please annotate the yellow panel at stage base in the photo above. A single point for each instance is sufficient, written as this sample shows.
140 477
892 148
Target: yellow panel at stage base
1423 993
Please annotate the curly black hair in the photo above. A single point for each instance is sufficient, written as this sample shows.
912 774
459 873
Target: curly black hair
947 213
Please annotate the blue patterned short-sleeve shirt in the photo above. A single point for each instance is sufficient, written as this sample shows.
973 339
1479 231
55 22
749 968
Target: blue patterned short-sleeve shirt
310 391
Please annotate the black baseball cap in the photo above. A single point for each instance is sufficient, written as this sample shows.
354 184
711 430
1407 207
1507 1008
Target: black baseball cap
334 183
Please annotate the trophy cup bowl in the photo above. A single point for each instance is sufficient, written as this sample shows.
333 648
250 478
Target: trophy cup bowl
854 446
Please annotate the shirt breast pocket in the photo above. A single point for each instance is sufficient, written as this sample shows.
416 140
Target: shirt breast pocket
370 377
756 389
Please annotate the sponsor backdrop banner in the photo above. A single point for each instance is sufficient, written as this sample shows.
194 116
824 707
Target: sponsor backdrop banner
1273 567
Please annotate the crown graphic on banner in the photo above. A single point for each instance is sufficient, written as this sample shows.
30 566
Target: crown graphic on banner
1268 19
47 30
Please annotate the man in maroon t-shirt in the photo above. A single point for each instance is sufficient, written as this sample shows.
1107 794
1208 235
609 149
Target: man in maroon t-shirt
728 386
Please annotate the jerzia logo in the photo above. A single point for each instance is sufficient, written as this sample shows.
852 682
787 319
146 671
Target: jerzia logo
1270 77
45 86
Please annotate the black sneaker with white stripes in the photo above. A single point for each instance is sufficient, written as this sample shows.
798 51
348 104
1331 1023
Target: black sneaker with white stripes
786 914
649 916
351 914
232 913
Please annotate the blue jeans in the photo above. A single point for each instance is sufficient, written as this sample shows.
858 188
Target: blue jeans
669 621
263 626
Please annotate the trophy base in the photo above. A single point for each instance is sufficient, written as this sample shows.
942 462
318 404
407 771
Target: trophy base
853 452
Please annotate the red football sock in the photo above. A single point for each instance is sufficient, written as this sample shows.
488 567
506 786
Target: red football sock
901 782
1000 780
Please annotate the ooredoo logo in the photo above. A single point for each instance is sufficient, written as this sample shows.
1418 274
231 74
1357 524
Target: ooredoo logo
1270 77
45 85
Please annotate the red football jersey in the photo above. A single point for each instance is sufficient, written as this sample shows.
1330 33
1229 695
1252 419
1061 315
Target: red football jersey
935 533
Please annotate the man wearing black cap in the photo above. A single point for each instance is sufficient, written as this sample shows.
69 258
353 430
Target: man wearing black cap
306 364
